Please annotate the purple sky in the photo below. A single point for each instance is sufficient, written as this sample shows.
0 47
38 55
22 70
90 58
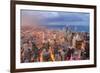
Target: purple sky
54 18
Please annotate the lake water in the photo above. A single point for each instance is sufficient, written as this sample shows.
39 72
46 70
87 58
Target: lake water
77 28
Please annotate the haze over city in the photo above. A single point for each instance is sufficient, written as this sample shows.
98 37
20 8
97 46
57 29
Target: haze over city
54 36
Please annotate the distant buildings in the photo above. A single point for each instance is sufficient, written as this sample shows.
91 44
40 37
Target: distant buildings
61 39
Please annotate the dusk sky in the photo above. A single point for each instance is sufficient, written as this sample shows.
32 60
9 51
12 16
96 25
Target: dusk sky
54 18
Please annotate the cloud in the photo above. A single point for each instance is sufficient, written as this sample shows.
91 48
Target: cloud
56 18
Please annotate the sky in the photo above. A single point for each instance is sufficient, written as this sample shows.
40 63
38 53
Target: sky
34 17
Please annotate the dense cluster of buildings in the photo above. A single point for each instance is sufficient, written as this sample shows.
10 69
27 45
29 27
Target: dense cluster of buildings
39 44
